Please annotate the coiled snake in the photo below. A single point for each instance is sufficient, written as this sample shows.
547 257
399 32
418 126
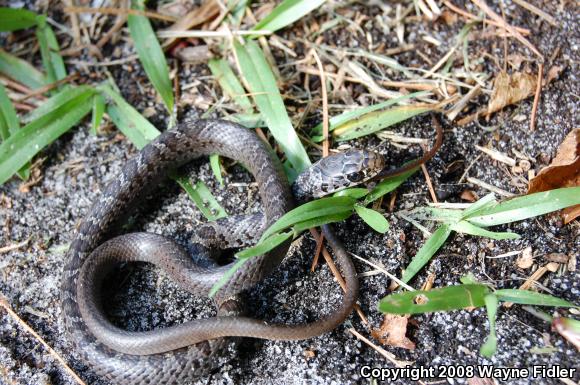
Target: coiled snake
187 351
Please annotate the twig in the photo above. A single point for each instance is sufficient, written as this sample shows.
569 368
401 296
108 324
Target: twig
203 33
319 243
4 304
490 187
504 24
194 18
532 8
536 97
468 15
337 275
74 21
120 11
499 156
384 271
389 356
14 246
119 23
48 87
325 144
429 184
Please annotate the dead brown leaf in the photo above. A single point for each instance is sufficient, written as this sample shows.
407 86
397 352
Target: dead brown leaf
392 332
564 171
510 89
526 260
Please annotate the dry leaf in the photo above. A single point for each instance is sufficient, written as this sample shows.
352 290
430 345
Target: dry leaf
553 73
468 195
510 89
392 332
526 260
567 329
564 171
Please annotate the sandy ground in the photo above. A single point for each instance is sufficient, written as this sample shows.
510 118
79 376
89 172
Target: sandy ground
79 165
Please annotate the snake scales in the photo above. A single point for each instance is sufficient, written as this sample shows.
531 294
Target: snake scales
187 351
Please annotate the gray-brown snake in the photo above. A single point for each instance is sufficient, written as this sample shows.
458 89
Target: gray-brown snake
185 352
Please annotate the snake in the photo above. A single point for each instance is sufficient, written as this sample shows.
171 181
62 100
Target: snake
185 352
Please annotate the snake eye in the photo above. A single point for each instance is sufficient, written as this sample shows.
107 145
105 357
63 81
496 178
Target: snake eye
356 176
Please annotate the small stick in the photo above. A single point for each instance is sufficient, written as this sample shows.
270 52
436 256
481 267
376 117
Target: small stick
389 356
14 246
429 184
119 23
319 243
454 8
490 187
4 304
536 97
48 87
532 8
122 11
325 144
504 24
338 276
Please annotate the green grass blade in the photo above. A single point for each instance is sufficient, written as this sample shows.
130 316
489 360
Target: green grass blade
373 218
387 185
444 299
319 221
21 71
265 246
468 228
237 10
9 124
526 206
355 192
226 277
310 210
427 251
438 214
140 132
337 121
50 51
489 348
14 19
202 198
527 297
262 85
127 119
228 81
21 147
243 256
377 121
57 100
151 55
214 162
485 202
98 111
247 120
286 13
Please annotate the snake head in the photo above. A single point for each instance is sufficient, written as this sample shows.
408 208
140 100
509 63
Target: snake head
337 172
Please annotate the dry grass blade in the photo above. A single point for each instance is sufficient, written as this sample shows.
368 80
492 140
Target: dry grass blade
504 24
120 11
195 17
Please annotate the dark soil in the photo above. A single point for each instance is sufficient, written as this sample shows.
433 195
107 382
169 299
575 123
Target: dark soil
78 166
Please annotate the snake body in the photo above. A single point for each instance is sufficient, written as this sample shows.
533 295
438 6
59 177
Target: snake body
190 350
